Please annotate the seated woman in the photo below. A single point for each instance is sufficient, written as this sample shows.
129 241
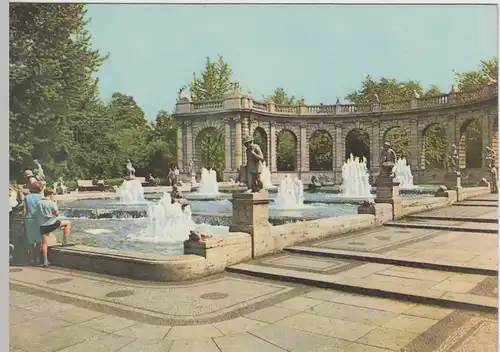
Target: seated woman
47 213
31 227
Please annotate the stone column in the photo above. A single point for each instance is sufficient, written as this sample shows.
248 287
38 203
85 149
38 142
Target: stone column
486 133
237 143
245 131
180 147
272 147
227 142
339 153
414 144
251 215
375 147
304 148
188 146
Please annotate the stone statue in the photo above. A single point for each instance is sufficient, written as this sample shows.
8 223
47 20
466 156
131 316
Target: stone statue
181 95
192 168
452 160
29 177
494 180
255 157
130 170
38 170
387 160
387 156
490 157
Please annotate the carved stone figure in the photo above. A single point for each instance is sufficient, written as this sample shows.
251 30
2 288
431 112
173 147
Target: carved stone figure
452 160
181 94
197 236
255 158
494 180
490 157
387 160
38 171
192 168
130 171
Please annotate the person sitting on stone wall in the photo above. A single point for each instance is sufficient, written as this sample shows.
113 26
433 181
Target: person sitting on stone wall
47 214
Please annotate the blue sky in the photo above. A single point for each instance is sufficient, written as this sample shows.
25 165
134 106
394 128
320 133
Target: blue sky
315 52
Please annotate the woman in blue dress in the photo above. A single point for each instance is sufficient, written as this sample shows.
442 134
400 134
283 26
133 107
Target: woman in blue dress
31 226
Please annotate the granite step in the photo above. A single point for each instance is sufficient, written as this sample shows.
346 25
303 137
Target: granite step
371 257
490 228
476 203
451 218
361 285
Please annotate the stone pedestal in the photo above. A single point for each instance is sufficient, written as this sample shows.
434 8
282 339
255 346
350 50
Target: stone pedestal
251 215
387 191
452 180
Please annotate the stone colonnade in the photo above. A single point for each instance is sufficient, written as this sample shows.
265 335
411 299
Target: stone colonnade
234 128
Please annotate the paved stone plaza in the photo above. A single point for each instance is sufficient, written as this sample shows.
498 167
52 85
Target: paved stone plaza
449 274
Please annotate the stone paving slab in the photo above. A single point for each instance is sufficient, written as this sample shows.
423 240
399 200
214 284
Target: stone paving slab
395 260
462 227
204 299
462 212
491 197
370 280
318 320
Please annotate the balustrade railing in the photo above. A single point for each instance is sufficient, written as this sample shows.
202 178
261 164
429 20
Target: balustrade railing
208 105
456 98
258 105
286 109
322 109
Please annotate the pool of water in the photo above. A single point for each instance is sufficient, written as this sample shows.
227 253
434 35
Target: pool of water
108 223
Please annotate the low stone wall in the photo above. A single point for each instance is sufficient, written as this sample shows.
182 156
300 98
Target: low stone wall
220 252
471 192
291 234
133 265
425 204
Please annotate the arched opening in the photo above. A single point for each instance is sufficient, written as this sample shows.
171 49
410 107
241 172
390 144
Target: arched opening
433 148
357 143
210 150
260 138
399 138
471 145
320 151
286 150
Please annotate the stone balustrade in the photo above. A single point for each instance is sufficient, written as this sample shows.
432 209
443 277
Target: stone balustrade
245 102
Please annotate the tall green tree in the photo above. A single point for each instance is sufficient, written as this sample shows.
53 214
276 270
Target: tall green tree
474 80
280 97
131 133
212 83
389 90
51 86
163 144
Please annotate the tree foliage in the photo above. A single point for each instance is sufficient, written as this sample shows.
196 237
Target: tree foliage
434 147
320 151
52 91
399 138
474 80
389 90
280 97
213 150
286 151
214 82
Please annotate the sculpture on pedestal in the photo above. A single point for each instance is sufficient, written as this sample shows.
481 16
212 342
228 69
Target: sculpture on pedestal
192 168
387 160
130 171
38 171
451 161
490 157
255 158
